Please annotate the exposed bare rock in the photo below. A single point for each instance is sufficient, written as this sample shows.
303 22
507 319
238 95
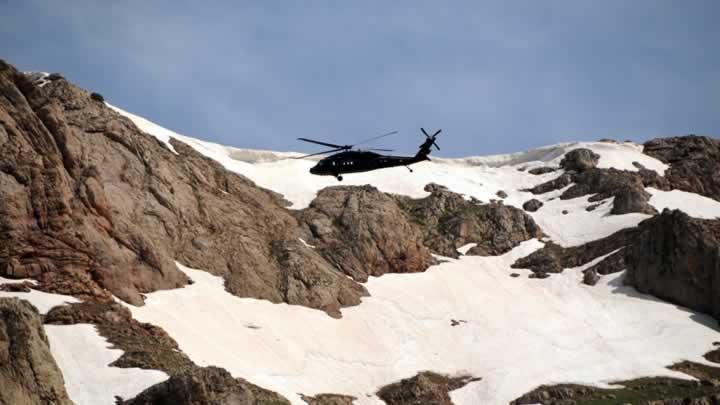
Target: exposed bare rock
329 399
694 163
501 194
627 187
677 258
209 385
448 221
579 160
144 345
92 206
542 170
28 373
553 258
557 183
590 277
426 388
363 232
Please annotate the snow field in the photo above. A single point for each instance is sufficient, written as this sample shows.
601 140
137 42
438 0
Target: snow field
520 332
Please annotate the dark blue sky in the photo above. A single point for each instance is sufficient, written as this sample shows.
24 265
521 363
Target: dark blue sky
497 76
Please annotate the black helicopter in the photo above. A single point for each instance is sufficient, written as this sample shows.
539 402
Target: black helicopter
355 161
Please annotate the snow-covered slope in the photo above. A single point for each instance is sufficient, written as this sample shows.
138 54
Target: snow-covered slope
519 332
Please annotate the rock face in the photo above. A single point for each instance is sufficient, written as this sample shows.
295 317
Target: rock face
425 388
92 203
579 160
448 221
694 163
28 373
364 233
209 385
677 258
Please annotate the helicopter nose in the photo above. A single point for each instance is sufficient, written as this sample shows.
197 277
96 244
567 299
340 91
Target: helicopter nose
313 170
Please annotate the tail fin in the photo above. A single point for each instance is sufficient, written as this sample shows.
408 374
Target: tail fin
426 146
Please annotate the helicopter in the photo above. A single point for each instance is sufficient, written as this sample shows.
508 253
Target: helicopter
356 161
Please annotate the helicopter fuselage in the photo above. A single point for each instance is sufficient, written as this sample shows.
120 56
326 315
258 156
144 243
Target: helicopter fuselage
360 161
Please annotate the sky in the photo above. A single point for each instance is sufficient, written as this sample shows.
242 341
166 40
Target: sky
496 76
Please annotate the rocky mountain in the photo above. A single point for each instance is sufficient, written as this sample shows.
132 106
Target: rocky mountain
228 276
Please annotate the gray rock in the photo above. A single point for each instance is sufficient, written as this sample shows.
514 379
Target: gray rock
542 170
424 388
590 277
209 385
579 160
532 205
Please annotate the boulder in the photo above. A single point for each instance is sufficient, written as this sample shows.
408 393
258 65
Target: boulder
363 232
532 205
424 388
209 385
579 160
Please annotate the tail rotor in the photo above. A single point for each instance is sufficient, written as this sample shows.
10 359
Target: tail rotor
431 138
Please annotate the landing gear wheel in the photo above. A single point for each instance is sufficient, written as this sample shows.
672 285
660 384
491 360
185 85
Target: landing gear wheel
339 178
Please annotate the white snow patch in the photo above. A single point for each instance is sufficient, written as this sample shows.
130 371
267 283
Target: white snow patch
306 244
149 127
84 357
579 225
465 248
4 280
39 78
692 204
41 300
558 330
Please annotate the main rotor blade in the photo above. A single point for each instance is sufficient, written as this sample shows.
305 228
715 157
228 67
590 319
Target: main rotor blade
436 145
376 137
319 153
382 150
423 131
331 145
436 133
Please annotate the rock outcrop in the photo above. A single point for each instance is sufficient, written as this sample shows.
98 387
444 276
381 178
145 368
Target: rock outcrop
92 206
448 221
627 188
209 385
363 232
553 258
425 388
677 258
579 160
694 163
28 373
